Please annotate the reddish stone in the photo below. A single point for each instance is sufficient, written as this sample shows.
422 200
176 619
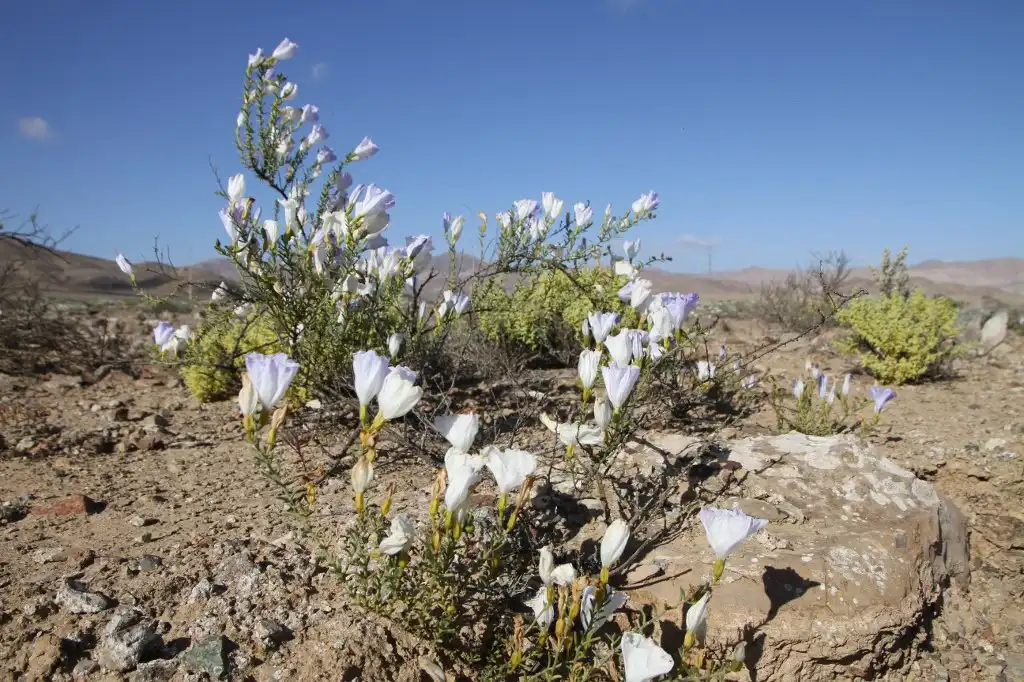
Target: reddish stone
69 506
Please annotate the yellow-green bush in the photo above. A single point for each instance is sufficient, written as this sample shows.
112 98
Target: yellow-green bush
900 339
545 310
214 362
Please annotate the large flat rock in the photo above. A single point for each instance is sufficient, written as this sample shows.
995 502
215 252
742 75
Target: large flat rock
841 582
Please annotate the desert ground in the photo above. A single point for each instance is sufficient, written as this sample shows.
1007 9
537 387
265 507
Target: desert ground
139 543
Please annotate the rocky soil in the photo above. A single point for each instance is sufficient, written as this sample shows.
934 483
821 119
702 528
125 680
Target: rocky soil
138 543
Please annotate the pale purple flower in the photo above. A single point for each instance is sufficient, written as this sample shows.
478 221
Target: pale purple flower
601 325
749 381
881 395
722 353
679 306
326 155
290 91
256 59
823 385
620 347
646 203
638 339
317 135
798 388
162 333
630 249
619 382
584 214
285 50
124 265
369 200
363 150
846 385
524 208
310 114
271 375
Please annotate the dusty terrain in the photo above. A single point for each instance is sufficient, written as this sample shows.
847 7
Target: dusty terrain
185 544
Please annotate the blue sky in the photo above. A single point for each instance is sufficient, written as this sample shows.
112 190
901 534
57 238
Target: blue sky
769 128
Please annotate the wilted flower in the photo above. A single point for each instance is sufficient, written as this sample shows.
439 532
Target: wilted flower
363 150
271 375
563 574
612 603
458 429
602 413
620 346
619 381
248 400
613 544
370 370
696 621
646 203
509 467
399 540
630 249
398 394
124 265
394 344
285 50
601 325
727 528
589 361
881 395
642 659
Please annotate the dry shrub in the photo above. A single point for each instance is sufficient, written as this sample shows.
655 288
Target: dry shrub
808 297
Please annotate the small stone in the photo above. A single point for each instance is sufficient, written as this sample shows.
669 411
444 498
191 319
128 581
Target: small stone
202 591
643 573
144 538
993 444
126 638
138 521
84 668
206 656
149 563
69 506
120 414
270 632
154 671
75 598
96 407
155 421
47 554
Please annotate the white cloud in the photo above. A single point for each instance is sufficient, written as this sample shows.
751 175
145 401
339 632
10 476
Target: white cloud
319 70
699 242
34 128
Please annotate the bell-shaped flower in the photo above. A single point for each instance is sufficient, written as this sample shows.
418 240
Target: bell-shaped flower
630 249
452 302
602 413
367 200
661 323
726 529
626 292
798 388
524 208
310 114
271 375
655 350
290 91
639 293
461 477
846 384
589 361
272 230
285 50
394 344
679 306
509 467
638 338
325 155
619 381
398 394
364 150
705 370
588 603
584 215
697 621
399 540
625 269
552 205
574 434
256 59
642 659
236 188
418 250
613 544
620 346
162 333
543 610
823 385
458 429
455 458
881 395
646 203
601 325
124 265
317 135
749 381
370 370
550 574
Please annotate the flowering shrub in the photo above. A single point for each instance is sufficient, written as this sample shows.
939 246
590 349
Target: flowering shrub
216 357
821 406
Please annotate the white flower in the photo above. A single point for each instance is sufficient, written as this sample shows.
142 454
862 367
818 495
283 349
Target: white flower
640 292
613 544
846 385
394 344
543 612
563 574
398 394
399 540
620 346
590 360
631 249
236 188
601 325
552 205
271 375
219 293
584 214
646 203
285 50
370 370
364 150
642 659
727 528
705 370
602 413
458 429
290 91
625 269
462 475
248 401
162 333
524 208
124 264
662 326
510 468
574 434
619 381
697 617
612 603
362 475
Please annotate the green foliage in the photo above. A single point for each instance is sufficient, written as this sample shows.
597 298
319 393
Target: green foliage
546 310
900 339
213 362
